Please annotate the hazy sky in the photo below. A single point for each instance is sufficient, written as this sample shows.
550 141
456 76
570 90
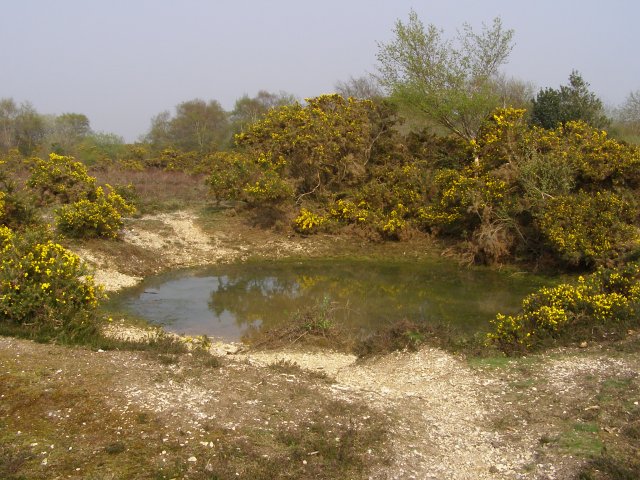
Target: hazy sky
120 62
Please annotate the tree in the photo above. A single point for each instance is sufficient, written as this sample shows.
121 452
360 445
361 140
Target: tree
159 135
67 131
447 82
21 127
197 126
363 88
101 147
630 111
571 102
513 92
8 113
248 110
29 129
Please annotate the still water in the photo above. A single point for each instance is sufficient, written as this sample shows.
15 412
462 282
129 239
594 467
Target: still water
226 301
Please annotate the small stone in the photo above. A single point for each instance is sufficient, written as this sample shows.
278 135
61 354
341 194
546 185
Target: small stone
192 459
583 344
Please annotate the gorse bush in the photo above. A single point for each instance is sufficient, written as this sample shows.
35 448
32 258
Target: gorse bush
515 191
603 303
316 150
61 178
17 210
45 290
308 222
349 212
321 146
585 228
392 225
461 199
562 193
101 217
598 160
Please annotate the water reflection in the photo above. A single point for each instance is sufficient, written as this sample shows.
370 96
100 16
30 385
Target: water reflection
226 301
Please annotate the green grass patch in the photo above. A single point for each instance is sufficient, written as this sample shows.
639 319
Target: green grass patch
493 362
582 440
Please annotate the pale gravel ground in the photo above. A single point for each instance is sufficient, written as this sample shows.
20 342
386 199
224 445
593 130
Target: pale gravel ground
440 407
441 423
181 243
442 410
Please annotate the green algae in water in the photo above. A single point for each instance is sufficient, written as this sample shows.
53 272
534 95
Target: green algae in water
226 301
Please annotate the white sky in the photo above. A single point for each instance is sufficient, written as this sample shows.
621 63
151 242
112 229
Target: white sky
120 62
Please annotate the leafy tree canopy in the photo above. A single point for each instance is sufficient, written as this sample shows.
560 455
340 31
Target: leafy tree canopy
630 111
447 81
363 88
250 109
197 126
572 102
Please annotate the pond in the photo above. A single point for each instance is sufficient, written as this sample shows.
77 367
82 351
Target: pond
227 301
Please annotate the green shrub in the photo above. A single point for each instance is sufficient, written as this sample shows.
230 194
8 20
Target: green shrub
229 173
44 288
16 208
101 217
61 178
